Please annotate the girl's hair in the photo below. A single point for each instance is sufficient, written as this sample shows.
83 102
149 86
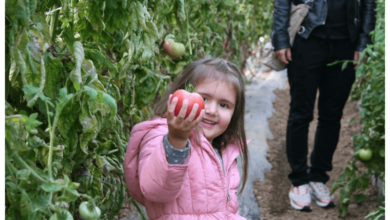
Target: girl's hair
216 69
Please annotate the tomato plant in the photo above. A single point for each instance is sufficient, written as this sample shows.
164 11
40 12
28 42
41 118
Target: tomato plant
80 74
369 144
193 98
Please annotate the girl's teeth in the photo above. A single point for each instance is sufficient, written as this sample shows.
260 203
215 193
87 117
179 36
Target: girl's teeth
209 122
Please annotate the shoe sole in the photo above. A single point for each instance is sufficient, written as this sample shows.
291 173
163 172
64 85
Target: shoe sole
322 204
299 208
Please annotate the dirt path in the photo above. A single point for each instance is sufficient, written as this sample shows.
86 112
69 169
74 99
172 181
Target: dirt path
272 194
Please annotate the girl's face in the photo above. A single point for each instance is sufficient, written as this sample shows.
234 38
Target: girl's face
220 99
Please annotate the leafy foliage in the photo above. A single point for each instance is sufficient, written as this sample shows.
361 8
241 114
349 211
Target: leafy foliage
80 74
370 88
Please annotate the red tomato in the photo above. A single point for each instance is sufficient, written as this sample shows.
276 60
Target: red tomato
192 98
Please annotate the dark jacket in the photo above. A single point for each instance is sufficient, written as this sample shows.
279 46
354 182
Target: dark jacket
361 21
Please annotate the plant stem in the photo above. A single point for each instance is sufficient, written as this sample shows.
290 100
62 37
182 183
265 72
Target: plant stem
53 23
14 155
188 32
51 129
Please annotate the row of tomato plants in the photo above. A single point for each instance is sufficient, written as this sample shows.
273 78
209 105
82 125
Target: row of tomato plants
369 157
81 73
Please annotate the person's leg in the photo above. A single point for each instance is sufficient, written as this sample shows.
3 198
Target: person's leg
308 58
334 87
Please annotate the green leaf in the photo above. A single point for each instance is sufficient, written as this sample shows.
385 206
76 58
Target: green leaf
345 64
54 69
180 10
152 30
104 97
78 56
124 4
30 91
382 153
85 138
25 205
52 187
30 122
23 12
360 71
67 118
92 93
23 174
378 108
360 197
134 17
140 15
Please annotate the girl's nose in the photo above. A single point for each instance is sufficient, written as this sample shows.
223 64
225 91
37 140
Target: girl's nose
210 108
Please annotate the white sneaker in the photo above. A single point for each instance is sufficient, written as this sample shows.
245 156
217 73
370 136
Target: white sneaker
321 194
300 197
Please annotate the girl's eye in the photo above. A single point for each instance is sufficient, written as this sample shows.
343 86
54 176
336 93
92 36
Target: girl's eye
205 99
223 105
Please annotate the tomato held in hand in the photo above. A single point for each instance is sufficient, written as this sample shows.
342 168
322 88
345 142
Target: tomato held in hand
192 98
365 154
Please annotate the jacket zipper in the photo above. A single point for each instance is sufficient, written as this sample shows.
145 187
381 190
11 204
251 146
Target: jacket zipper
326 12
224 175
357 13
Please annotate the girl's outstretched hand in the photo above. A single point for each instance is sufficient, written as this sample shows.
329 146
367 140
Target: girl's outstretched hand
180 127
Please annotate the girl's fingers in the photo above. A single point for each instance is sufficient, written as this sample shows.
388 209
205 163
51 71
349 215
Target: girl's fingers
183 109
200 117
172 105
191 116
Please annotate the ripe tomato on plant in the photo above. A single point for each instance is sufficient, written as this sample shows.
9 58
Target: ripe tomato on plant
192 98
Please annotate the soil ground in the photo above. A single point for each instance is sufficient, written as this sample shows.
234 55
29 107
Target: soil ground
272 194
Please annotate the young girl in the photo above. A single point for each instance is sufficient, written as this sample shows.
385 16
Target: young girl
178 171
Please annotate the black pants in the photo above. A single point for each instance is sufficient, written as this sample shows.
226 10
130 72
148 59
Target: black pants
307 73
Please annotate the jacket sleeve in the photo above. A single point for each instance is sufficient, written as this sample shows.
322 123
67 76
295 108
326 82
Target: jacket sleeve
367 24
159 181
281 19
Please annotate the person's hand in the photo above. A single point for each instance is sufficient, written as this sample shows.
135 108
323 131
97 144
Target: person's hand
356 58
180 128
284 55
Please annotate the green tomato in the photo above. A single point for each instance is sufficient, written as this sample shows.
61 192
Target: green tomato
88 212
365 154
174 49
33 131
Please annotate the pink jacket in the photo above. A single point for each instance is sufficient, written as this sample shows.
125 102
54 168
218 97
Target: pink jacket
197 189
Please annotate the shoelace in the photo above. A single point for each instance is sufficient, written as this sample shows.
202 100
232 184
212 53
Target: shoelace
321 187
304 189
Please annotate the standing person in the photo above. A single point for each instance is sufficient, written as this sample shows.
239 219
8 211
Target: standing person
180 172
333 30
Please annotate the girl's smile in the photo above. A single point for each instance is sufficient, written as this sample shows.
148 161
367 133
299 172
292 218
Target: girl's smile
220 99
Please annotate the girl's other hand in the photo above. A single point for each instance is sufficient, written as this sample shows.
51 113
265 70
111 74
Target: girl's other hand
180 128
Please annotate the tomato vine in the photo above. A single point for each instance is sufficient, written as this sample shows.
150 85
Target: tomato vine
369 87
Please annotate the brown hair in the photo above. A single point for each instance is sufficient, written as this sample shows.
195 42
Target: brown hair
216 69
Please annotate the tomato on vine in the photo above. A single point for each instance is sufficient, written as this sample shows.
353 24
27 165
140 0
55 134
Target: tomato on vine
365 154
88 211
